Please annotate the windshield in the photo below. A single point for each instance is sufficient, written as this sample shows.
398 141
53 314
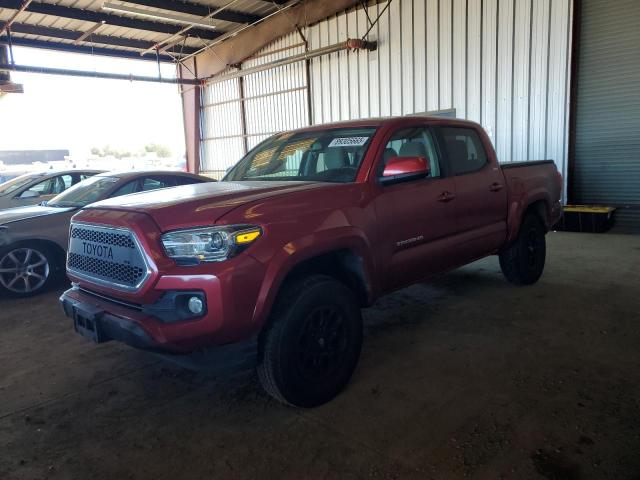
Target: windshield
16 183
84 193
331 155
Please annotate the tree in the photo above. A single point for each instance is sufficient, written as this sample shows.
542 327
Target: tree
109 151
161 151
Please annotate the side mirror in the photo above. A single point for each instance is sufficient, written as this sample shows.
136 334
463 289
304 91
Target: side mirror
402 169
29 194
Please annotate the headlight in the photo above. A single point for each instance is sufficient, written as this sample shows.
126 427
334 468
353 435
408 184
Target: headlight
209 244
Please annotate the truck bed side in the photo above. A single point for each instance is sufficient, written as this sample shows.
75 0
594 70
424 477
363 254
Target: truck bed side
533 186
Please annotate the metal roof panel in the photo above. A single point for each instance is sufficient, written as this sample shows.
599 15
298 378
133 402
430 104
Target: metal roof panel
251 7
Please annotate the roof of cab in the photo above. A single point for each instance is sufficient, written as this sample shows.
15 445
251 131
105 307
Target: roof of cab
385 121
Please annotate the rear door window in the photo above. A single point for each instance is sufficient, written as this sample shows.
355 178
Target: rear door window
464 149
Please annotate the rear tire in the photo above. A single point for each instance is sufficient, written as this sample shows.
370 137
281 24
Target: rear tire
522 263
312 344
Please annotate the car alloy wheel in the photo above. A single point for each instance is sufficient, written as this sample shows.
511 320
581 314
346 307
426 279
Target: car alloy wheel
24 270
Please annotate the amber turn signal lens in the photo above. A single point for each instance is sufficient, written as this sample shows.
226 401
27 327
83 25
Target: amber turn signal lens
242 238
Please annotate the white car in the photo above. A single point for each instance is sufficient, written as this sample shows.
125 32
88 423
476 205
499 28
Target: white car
34 188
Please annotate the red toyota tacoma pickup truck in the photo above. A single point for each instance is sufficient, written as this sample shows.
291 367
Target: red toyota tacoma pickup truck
271 266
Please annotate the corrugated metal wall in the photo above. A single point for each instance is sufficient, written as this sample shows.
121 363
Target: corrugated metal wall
222 142
274 100
607 160
502 63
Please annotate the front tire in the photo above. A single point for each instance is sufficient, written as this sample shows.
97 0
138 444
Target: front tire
312 344
522 263
26 270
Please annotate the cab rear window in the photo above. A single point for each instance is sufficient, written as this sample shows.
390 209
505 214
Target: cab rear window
464 150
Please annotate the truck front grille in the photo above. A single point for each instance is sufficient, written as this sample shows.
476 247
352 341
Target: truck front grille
107 256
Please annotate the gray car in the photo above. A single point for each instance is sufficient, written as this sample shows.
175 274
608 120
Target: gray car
34 188
33 239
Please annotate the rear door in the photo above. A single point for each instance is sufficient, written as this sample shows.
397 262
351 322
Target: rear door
416 218
481 194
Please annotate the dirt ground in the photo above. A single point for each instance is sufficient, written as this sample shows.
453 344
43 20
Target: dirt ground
464 377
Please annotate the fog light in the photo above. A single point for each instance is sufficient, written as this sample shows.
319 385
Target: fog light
195 305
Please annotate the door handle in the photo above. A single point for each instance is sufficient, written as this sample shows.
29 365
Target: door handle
495 187
446 197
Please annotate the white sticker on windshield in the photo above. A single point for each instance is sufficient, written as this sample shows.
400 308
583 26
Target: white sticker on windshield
348 142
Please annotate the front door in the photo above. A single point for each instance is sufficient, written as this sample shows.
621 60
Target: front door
416 217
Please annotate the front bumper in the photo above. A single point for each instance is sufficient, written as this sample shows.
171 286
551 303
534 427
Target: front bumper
99 326
100 320
178 336
229 298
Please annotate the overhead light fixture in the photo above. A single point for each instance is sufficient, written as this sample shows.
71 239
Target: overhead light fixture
168 17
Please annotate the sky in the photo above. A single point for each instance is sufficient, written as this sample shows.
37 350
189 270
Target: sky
61 112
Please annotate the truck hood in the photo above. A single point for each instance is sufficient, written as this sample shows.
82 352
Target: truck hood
24 213
200 204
